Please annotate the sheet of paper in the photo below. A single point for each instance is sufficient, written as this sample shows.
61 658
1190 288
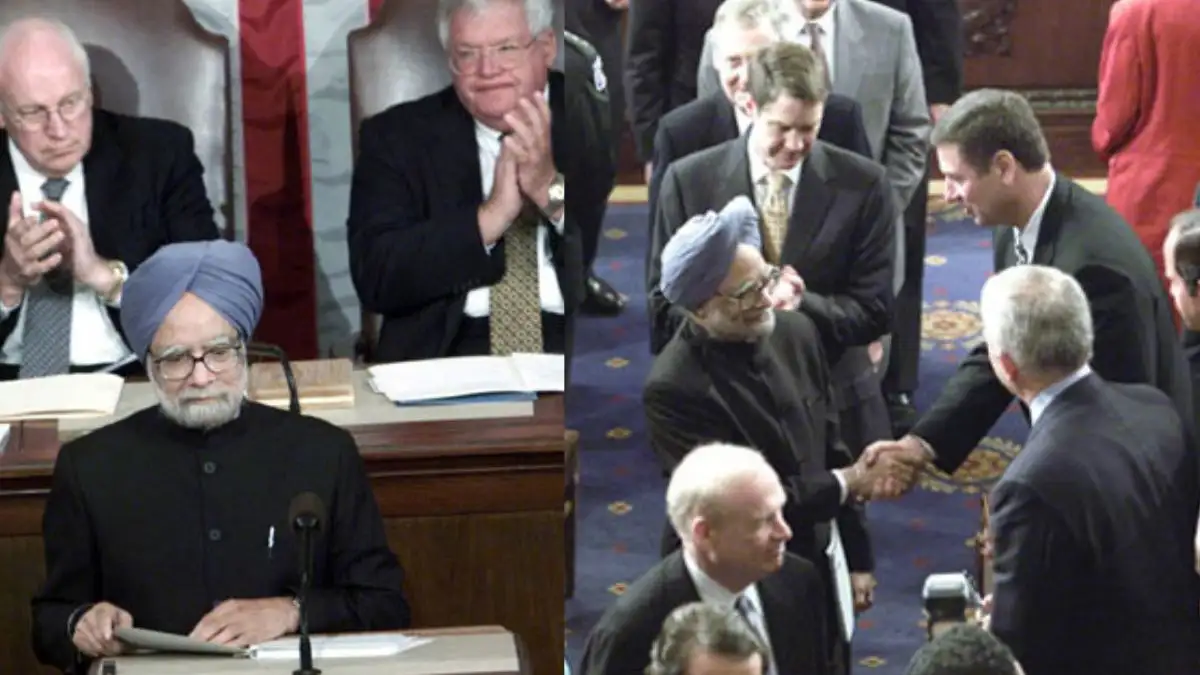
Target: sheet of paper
433 379
542 372
142 638
841 579
338 647
60 396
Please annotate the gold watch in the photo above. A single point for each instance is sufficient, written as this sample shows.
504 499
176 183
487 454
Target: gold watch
121 272
557 197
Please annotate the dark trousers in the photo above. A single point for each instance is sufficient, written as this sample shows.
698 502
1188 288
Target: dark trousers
905 355
134 369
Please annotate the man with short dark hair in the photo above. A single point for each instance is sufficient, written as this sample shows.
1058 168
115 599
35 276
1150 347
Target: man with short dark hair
827 218
997 167
964 649
705 639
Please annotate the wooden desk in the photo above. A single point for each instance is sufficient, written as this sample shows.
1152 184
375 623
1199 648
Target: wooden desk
473 509
488 650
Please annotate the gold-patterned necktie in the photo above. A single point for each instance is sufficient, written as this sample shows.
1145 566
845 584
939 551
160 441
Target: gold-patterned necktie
515 312
775 216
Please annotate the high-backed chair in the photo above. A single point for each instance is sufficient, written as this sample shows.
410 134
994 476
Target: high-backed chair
396 58
154 59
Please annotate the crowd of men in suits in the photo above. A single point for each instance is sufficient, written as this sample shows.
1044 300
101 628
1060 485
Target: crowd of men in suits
784 176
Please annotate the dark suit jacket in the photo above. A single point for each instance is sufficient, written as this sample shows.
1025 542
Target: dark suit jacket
791 598
145 189
415 247
841 241
1093 526
1135 339
702 391
662 53
711 120
938 30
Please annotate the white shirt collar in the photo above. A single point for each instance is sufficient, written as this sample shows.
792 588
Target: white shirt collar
26 173
1046 396
484 132
711 591
1029 234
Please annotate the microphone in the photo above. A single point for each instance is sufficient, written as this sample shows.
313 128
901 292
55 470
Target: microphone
306 515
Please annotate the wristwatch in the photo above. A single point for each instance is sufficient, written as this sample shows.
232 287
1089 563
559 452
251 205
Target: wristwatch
121 272
557 195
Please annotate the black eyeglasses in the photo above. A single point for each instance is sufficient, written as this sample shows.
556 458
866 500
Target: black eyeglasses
750 297
179 366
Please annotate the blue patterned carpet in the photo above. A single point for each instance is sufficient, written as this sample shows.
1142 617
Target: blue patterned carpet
620 496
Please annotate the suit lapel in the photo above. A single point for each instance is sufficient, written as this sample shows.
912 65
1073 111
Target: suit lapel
1052 220
810 203
781 615
558 114
108 206
725 121
847 43
733 180
457 152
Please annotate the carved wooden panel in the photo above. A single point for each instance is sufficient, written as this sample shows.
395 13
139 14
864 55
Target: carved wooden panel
988 26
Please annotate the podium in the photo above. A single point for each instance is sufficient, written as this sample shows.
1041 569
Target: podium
487 650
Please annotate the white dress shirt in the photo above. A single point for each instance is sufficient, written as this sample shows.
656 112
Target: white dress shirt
796 26
478 300
1028 235
94 338
714 593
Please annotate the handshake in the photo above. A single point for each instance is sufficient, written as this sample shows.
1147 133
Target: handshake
886 469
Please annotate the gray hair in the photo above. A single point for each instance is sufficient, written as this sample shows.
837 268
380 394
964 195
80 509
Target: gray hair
539 14
701 480
748 15
1039 316
19 29
699 626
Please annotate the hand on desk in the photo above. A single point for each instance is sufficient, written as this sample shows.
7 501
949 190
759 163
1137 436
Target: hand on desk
906 452
95 633
241 623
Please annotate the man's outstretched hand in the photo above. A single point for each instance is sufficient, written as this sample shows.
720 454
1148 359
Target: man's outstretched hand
907 451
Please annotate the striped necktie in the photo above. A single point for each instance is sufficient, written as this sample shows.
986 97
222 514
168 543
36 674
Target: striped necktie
46 340
1019 248
748 614
515 305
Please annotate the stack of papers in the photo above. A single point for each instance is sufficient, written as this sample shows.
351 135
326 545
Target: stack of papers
60 397
360 646
466 379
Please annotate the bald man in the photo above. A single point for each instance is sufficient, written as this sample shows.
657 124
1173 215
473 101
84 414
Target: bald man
90 195
175 518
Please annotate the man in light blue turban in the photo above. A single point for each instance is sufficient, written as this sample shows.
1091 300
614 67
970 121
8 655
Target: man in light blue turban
193 492
744 368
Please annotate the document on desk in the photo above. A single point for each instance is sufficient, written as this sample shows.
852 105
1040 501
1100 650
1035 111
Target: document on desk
463 376
60 396
362 646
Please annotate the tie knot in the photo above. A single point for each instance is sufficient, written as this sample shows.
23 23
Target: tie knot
777 181
743 606
54 188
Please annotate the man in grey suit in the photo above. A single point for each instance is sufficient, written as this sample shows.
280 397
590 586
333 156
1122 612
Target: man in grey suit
830 224
871 56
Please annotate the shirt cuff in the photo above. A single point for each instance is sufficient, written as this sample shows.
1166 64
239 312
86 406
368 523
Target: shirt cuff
845 492
559 223
929 452
73 620
6 312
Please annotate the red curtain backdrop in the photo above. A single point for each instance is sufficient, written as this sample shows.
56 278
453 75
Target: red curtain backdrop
278 171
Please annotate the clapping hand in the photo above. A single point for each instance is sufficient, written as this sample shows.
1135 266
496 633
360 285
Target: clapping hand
530 145
31 246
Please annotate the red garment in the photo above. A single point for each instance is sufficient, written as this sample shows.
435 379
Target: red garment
1147 124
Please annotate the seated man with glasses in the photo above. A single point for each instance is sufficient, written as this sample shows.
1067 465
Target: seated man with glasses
459 233
738 371
90 194
176 518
